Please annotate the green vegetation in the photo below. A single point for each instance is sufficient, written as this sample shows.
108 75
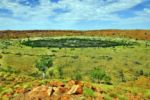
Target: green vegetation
129 61
78 76
99 76
75 43
118 65
88 92
44 63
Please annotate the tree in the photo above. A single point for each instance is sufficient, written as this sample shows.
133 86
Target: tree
44 63
99 75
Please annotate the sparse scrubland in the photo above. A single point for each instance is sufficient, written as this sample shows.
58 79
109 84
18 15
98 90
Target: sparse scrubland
77 67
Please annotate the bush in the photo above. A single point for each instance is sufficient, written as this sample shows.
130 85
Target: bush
53 72
121 76
99 76
1 56
78 76
35 74
54 50
61 73
9 69
137 63
44 63
113 94
19 54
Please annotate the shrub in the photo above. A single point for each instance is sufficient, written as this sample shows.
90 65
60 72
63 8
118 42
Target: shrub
9 69
78 76
75 57
107 80
1 56
54 50
121 76
113 94
19 54
61 73
137 63
53 72
99 75
139 73
44 63
35 74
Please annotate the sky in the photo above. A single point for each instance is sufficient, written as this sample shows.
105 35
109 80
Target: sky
74 14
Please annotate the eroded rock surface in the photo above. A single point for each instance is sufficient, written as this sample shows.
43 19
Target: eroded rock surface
72 90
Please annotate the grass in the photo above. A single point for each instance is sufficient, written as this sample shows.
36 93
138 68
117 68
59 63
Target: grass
88 92
126 58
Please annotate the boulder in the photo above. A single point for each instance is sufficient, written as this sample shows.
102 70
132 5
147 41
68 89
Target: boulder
71 83
41 92
56 84
75 89
79 90
63 89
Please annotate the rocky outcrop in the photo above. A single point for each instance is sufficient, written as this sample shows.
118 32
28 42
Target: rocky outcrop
72 90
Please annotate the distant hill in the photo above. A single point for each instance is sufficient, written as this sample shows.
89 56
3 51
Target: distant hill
136 34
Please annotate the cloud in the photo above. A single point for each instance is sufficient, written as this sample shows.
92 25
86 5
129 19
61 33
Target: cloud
60 13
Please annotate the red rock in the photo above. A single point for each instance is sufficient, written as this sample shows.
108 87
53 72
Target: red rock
8 95
78 83
55 97
115 98
63 89
56 84
19 90
50 91
56 91
71 83
73 89
66 97
79 90
40 92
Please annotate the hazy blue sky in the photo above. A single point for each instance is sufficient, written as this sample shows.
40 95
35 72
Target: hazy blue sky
74 14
